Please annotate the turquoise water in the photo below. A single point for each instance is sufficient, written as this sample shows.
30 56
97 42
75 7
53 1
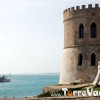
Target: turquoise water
26 85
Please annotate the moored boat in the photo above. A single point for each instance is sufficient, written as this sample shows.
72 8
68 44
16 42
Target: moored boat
4 79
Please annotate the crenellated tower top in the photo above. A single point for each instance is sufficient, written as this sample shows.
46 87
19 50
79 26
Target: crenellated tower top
78 8
81 44
80 11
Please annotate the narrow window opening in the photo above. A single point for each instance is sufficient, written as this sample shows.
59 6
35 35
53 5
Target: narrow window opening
93 59
81 31
80 60
93 30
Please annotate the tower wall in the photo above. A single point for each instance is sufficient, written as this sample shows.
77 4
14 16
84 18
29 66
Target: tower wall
73 45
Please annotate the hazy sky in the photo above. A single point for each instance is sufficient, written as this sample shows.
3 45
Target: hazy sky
31 34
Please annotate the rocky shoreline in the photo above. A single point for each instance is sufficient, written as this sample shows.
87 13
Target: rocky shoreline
48 90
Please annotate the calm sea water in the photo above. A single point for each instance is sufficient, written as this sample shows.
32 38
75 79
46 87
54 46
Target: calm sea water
26 85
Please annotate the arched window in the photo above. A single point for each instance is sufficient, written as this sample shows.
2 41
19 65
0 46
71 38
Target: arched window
93 59
81 31
80 59
93 30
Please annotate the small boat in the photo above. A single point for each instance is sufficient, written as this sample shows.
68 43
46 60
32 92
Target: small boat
4 79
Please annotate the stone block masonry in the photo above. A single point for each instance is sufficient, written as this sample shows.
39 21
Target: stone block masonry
81 51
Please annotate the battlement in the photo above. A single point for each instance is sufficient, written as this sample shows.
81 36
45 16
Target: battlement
78 8
81 44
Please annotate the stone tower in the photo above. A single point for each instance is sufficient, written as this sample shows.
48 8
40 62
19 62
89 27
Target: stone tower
81 44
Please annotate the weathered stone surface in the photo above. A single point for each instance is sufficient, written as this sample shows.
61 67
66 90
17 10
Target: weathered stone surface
73 45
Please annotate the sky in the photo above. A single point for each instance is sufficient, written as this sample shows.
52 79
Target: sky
32 34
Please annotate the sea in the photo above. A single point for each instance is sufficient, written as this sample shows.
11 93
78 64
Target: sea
22 86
